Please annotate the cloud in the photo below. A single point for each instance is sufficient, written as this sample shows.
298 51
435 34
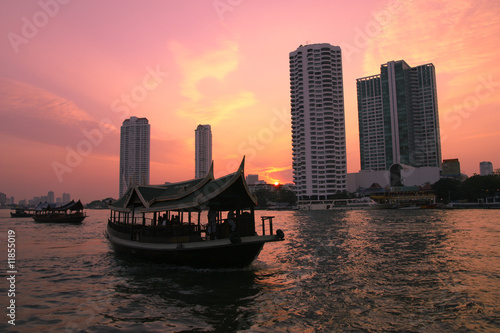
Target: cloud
202 74
195 67
213 111
28 101
456 34
458 37
481 136
34 114
273 174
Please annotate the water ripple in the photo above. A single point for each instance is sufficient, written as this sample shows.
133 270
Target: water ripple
356 271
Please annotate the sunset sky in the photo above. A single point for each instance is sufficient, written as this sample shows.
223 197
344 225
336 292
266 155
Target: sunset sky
72 71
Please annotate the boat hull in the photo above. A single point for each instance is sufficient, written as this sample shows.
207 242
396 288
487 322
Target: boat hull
16 215
220 253
59 218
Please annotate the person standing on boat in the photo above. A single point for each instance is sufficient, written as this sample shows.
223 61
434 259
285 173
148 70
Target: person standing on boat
212 223
231 222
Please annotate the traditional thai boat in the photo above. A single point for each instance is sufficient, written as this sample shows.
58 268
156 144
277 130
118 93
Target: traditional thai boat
163 223
71 212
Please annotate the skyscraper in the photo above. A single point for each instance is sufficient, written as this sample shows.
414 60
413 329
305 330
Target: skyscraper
203 150
50 197
485 168
398 117
66 197
134 153
318 126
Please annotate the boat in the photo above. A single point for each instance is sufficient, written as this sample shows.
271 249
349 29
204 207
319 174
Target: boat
71 212
20 212
163 223
338 204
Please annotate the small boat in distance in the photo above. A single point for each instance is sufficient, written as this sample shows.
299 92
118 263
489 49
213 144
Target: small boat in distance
20 212
163 223
71 212
339 204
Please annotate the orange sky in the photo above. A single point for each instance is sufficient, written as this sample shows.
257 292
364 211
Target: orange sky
72 71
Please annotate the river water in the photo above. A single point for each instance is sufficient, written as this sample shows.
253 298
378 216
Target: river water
352 271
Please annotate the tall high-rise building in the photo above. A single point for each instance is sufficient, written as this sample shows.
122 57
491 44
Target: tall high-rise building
318 125
50 197
134 153
485 168
203 150
398 117
66 197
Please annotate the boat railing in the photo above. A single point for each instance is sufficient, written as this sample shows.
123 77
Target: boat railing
169 229
269 220
137 220
244 225
121 227
172 229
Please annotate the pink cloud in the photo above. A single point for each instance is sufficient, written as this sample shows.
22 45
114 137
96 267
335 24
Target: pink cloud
37 115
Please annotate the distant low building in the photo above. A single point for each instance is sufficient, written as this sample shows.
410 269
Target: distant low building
398 175
252 179
262 185
451 168
100 204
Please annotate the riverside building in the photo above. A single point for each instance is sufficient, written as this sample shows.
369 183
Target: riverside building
134 153
203 150
318 125
398 117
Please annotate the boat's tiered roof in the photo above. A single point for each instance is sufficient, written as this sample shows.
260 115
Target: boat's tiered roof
53 207
225 193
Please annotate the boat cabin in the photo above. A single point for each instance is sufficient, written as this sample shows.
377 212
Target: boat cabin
191 211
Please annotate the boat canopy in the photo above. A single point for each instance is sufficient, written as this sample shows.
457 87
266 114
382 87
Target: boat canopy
229 192
53 207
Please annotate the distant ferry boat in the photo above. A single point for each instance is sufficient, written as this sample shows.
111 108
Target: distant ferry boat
338 204
69 213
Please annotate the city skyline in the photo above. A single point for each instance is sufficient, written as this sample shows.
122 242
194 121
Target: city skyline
31 200
71 72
